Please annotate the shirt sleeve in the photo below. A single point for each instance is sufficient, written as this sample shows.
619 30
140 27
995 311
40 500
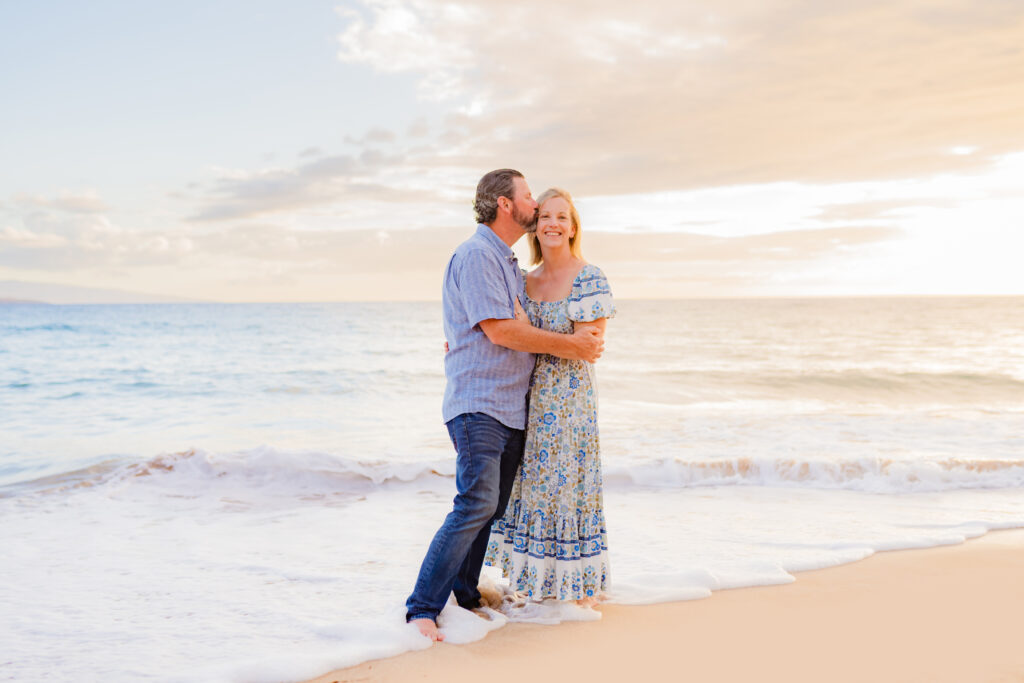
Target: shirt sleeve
591 297
481 282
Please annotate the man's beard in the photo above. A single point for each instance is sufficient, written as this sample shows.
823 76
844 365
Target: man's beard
528 222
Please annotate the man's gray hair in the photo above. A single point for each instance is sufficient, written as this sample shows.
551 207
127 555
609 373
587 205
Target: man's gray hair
500 183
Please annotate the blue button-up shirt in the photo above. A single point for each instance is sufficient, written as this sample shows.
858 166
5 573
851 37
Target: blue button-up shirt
483 281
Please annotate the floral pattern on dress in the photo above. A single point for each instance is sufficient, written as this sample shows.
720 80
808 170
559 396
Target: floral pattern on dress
552 541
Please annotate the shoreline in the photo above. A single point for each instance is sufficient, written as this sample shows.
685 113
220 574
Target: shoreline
941 614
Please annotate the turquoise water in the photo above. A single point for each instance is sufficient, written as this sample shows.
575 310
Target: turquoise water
244 492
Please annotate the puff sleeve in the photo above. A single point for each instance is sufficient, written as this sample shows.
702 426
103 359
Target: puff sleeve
591 297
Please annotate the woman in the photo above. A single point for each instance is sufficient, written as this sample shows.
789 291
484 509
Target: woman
552 542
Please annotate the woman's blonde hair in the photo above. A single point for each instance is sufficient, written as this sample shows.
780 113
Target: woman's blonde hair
574 242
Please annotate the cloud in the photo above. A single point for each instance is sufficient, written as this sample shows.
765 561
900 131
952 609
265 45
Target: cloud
673 265
328 180
421 32
68 202
351 251
409 264
52 242
418 129
72 230
778 247
880 209
605 97
373 136
610 99
21 239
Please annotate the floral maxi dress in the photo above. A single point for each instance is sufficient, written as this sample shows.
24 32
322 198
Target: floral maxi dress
552 542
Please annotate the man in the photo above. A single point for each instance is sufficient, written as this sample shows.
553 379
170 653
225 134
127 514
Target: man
488 366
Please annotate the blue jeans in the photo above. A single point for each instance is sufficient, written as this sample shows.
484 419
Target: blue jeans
489 454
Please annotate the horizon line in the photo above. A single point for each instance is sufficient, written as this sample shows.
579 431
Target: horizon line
758 297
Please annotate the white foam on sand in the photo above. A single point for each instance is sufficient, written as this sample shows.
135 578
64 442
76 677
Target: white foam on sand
274 566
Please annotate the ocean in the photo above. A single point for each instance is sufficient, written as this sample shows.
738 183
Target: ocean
243 492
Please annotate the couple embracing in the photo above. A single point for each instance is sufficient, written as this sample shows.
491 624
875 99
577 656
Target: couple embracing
521 408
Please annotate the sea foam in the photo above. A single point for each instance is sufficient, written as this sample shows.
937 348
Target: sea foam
283 472
742 441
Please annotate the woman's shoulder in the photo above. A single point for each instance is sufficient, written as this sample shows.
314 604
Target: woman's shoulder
591 297
589 273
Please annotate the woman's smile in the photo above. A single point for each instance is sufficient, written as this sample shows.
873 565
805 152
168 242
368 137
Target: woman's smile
554 222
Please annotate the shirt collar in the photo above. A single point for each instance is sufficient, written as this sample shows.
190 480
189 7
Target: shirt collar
492 237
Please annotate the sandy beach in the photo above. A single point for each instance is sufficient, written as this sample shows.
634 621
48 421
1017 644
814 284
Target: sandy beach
949 614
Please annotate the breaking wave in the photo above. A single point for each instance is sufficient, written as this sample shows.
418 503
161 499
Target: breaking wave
305 474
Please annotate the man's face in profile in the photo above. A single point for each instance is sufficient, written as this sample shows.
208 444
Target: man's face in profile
524 208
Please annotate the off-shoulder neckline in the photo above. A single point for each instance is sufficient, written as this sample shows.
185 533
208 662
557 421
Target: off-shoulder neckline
567 297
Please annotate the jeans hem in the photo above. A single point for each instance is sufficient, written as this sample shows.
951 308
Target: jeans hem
425 615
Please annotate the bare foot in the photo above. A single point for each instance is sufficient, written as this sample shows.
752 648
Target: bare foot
587 602
515 599
428 628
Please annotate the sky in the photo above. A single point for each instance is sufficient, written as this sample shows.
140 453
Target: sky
325 151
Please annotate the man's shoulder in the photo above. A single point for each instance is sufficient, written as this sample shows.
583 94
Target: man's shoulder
474 241
475 248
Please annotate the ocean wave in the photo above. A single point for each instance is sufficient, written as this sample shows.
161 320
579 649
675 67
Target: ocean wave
872 475
264 469
857 386
313 475
46 327
59 482
881 380
73 394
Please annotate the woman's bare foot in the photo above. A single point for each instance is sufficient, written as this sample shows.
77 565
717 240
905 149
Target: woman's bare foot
428 627
587 602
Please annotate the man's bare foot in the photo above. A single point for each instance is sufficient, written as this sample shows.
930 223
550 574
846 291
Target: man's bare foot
428 627
587 602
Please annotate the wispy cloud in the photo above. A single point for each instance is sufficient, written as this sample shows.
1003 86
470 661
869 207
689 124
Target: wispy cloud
778 248
74 231
649 98
327 180
414 35
616 98
68 202
880 209
88 243
671 265
373 136
772 146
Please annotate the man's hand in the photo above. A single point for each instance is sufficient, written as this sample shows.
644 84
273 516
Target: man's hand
590 343
585 343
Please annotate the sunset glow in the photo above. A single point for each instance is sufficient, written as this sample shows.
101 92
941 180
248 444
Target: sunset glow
259 152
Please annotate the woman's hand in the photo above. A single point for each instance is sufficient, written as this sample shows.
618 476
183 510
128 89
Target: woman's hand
520 313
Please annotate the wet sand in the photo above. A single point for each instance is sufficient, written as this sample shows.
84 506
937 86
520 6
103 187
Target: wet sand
950 614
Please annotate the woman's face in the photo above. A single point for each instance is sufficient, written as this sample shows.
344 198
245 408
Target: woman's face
554 224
